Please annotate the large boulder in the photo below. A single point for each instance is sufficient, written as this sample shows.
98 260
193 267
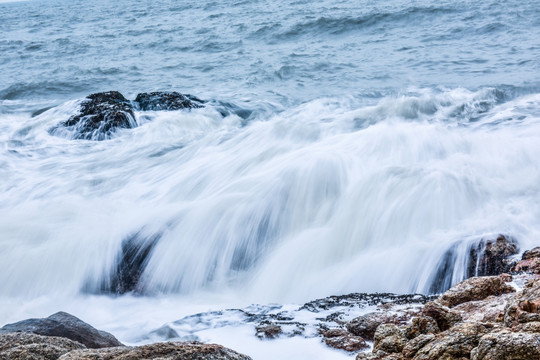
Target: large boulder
67 326
99 116
366 325
28 346
389 339
162 100
443 316
507 345
476 288
161 351
530 261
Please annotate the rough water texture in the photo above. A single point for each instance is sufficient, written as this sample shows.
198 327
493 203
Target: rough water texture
343 147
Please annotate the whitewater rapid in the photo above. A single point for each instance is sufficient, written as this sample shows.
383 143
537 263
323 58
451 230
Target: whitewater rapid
324 198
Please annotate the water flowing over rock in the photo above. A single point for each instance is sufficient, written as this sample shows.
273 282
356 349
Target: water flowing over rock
167 101
67 326
100 115
490 257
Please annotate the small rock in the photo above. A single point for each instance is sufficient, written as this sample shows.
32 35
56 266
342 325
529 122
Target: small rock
388 338
346 342
421 325
366 325
67 326
444 317
167 101
476 288
412 347
268 331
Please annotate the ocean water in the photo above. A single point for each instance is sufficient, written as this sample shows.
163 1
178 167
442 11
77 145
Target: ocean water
344 147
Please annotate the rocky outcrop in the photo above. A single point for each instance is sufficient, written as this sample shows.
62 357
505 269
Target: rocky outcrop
530 262
167 101
491 256
99 116
343 340
66 326
524 307
366 325
507 345
477 288
161 351
23 345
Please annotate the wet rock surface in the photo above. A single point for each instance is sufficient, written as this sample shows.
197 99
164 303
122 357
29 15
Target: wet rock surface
477 288
491 256
23 345
99 116
67 326
162 100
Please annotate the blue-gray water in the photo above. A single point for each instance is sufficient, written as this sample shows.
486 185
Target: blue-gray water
345 147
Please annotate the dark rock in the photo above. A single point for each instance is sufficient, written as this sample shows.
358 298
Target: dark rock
486 257
268 331
67 326
444 317
508 345
363 299
161 351
165 332
131 263
341 339
167 101
28 346
366 325
476 288
99 116
490 257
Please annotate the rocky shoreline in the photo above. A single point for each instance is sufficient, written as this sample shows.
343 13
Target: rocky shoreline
480 318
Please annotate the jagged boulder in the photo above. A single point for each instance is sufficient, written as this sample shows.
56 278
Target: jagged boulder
507 345
67 326
443 316
366 325
524 306
530 261
491 256
421 325
162 100
161 351
388 338
476 288
99 116
28 346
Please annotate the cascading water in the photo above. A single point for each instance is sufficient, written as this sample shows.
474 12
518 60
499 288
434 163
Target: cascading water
329 197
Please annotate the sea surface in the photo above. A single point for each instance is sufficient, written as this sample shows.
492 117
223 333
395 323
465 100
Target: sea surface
345 146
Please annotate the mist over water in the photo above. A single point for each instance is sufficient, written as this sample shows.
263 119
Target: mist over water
344 148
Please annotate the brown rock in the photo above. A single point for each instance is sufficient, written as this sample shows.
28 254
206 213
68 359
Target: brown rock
388 338
365 325
490 309
477 288
268 331
421 325
412 347
524 306
508 345
161 351
455 343
445 317
28 346
346 342
531 254
530 261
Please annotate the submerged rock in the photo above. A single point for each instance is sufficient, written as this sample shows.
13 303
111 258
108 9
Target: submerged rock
100 115
161 351
162 100
131 263
29 346
67 326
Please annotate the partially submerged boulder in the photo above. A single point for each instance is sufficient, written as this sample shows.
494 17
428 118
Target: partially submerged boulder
163 100
343 340
99 116
491 256
67 326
